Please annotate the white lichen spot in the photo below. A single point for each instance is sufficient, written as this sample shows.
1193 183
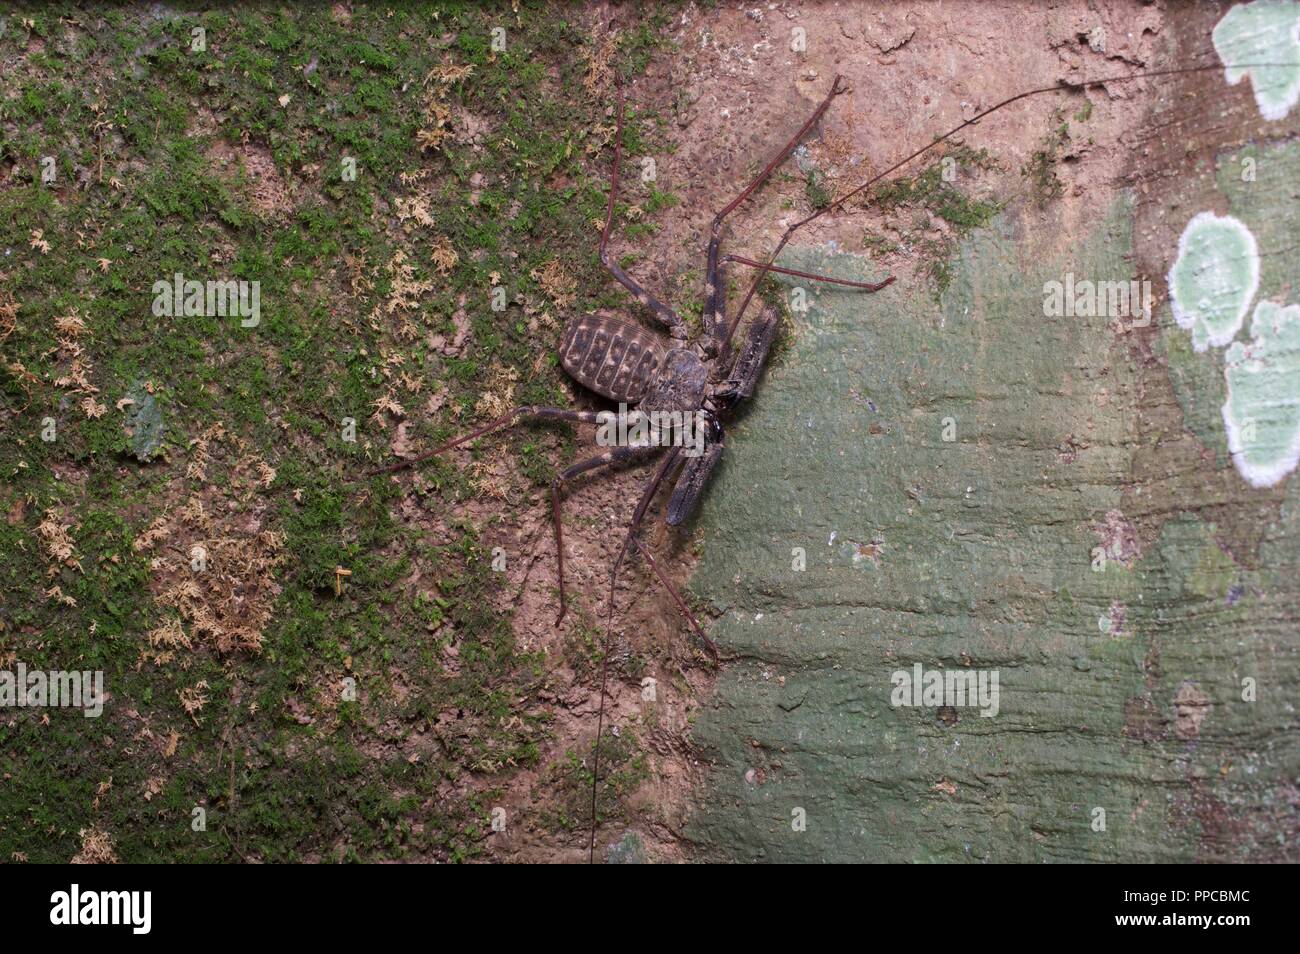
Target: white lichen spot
1264 32
1262 413
1214 278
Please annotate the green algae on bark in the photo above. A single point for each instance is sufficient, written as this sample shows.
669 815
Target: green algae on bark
949 472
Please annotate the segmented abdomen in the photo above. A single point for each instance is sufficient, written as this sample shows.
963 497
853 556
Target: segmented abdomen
611 356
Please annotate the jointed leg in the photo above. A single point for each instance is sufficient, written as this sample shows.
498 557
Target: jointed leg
669 319
677 598
714 299
615 456
661 472
651 487
534 410
869 286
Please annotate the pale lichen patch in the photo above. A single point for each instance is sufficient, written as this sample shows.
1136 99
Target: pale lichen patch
1262 412
1214 278
1265 32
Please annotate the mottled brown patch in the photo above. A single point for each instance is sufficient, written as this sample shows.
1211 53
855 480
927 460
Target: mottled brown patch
251 167
1118 538
1143 719
1191 707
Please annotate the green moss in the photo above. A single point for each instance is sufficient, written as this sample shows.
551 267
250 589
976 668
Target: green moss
285 93
1040 171
935 192
815 187
623 767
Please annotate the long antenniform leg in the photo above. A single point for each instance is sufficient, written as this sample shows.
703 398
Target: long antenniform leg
715 297
604 667
509 418
1062 86
869 286
600 719
651 487
669 319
